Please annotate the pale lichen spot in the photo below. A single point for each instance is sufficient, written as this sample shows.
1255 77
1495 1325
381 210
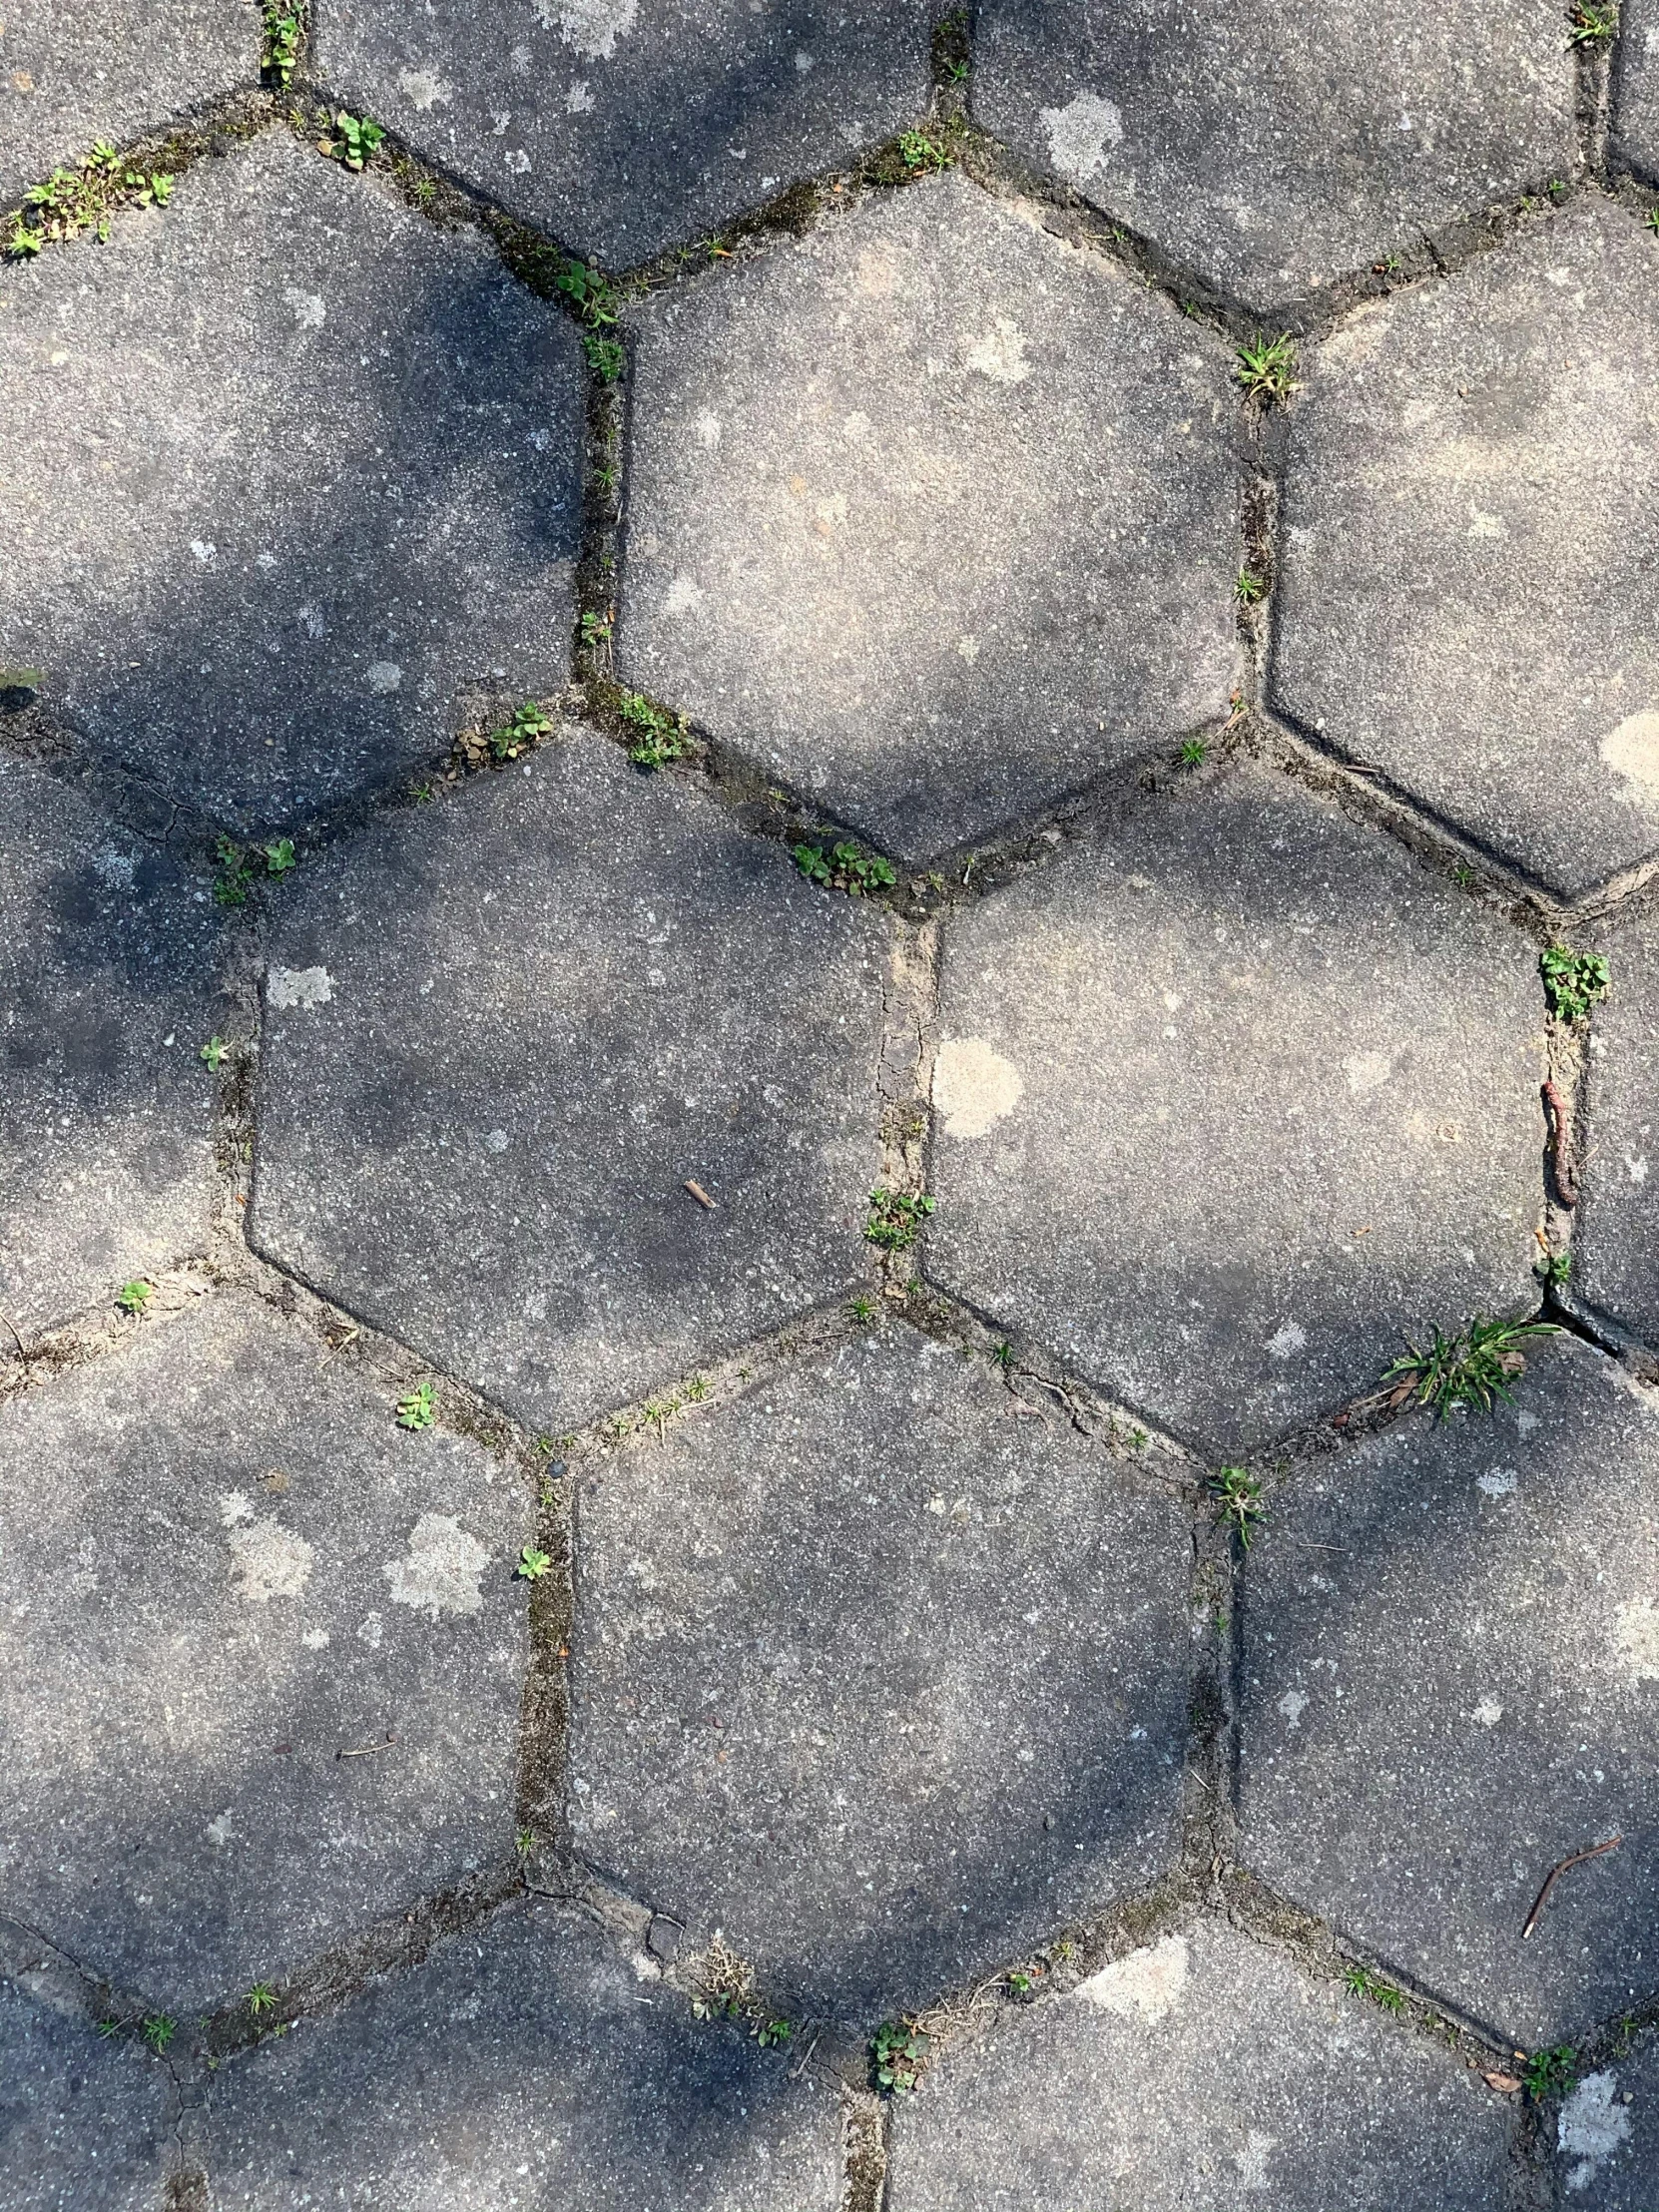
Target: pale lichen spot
269 1561
683 597
384 677
1636 1628
441 1571
422 87
309 310
706 427
590 26
1632 750
1483 525
1488 1712
305 986
1080 133
219 1831
1367 1071
316 1639
1252 2161
975 1087
369 1630
1591 2127
579 98
968 648
1146 1985
1293 1705
1499 1483
235 1506
1000 354
1287 1341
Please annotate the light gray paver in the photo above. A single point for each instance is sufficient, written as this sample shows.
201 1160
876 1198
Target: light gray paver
313 473
1636 132
83 2122
111 70
1467 541
107 993
1616 1228
503 1035
1274 149
1199 2070
932 514
1607 2136
524 2065
1228 1099
223 1565
878 1677
1450 1681
623 130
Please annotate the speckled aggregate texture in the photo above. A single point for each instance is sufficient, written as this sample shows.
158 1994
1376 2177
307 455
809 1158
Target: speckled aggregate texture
1468 544
529 2065
623 129
83 2123
1450 1677
502 1039
1607 2133
1617 1270
1199 2070
933 516
108 988
1636 101
312 478
1271 149
1230 1101
223 1567
878 1676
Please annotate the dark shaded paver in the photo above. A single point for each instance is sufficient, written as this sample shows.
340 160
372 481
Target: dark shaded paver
1616 1231
502 1036
1204 2070
222 1565
932 514
1228 1100
313 473
1272 149
1450 1682
525 2065
108 992
85 2124
109 70
1607 2136
623 129
1468 544
1635 133
876 1676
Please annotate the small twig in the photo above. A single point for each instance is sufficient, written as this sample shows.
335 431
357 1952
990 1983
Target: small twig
369 1749
22 1348
700 1194
1561 1152
1555 1873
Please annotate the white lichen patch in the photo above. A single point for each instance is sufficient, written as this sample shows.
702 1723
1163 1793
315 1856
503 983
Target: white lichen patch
1000 354
384 677
1499 1483
683 597
1293 1705
269 1561
1079 134
305 986
592 27
1367 1071
1591 2127
1632 750
310 310
1252 2161
422 87
1146 1985
975 1087
1488 1712
1287 1341
235 1506
441 1571
1636 1633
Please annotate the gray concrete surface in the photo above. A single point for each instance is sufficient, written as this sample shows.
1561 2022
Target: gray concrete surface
107 991
878 1676
1464 567
1230 1099
312 477
1607 2134
623 131
85 2123
224 1565
1636 90
1616 1228
1202 2069
931 515
1449 1670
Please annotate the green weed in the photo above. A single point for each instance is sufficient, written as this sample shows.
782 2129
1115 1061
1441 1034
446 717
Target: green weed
659 737
607 356
899 2054
534 1564
84 198
1591 23
281 28
920 151
1194 753
895 1218
1004 1356
1473 1367
262 1999
357 137
239 868
844 868
1248 587
596 628
1550 2073
525 1842
214 1054
1266 368
158 2032
1367 1984
590 291
133 1297
1574 981
1238 1495
417 1409
1554 1267
862 1311
771 2033
528 725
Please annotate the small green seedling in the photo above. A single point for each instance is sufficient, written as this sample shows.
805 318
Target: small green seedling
279 858
596 628
108 2027
1266 368
1004 1356
771 2033
659 737
920 151
1364 1984
534 1564
133 1297
279 40
358 137
1589 23
262 1999
1574 981
1238 1495
895 1218
525 1842
1194 753
1248 587
1137 1440
1550 2073
590 291
158 2032
418 1408
845 867
234 879
607 356
863 1310
528 725
1473 1367
84 198
1554 1267
1651 219
214 1054
899 2054
1021 1986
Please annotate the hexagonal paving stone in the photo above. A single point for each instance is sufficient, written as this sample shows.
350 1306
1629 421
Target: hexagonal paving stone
108 70
932 514
501 1037
1198 2072
1275 149
624 131
223 1566
315 475
525 2064
1635 133
1607 2135
1230 1097
1616 1230
83 2123
107 993
1466 530
1451 1678
878 1677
